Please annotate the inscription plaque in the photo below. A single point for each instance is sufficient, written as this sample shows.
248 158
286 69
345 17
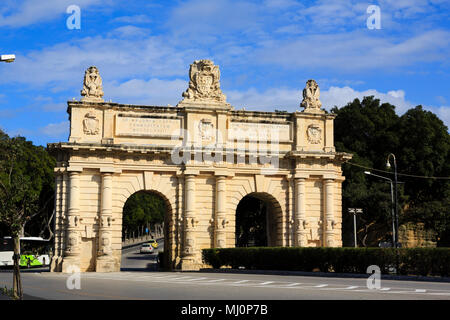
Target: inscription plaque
259 131
147 127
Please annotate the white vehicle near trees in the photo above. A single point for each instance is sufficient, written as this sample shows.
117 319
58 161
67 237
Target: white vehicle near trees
146 248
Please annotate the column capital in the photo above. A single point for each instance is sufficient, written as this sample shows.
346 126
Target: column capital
301 175
329 177
191 172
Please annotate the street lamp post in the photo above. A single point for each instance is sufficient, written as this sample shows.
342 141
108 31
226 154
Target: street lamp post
7 58
392 204
354 211
388 165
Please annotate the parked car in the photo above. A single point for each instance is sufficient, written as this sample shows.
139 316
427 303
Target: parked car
154 243
147 248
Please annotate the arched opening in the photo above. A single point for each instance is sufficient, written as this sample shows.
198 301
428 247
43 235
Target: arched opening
145 220
257 221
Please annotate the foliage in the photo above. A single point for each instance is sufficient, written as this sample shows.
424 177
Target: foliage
25 172
420 141
412 261
26 183
141 210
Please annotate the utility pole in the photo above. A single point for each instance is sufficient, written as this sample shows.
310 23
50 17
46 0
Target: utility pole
355 211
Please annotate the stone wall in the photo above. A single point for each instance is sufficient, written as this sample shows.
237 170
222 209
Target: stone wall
412 235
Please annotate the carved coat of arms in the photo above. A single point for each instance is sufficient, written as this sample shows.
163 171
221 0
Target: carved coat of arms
204 82
206 129
90 124
92 85
311 95
314 133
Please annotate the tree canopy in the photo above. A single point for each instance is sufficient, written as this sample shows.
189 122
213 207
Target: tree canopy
26 185
143 209
421 143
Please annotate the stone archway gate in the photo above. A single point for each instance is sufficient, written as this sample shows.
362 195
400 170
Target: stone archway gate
202 157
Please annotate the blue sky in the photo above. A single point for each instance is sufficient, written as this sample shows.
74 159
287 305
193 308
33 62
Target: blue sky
266 51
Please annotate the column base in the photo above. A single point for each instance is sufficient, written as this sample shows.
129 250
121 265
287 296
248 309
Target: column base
56 264
189 264
106 264
70 265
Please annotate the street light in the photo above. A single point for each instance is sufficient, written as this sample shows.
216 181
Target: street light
388 165
392 204
7 58
354 211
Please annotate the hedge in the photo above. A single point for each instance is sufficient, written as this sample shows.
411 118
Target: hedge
411 261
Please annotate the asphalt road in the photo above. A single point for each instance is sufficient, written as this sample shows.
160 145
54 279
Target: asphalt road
133 260
140 280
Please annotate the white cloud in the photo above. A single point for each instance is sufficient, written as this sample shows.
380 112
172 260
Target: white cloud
130 31
31 11
142 92
62 66
56 129
140 18
355 51
289 100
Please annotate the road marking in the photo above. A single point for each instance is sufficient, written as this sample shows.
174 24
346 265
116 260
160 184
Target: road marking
321 286
421 290
195 279
242 281
293 284
385 289
264 283
215 280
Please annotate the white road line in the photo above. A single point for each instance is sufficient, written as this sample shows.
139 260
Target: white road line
420 290
216 280
385 289
350 288
293 284
180 278
264 283
321 286
242 281
195 279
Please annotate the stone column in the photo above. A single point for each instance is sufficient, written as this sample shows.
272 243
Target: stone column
190 222
71 261
300 213
105 259
54 264
329 213
220 218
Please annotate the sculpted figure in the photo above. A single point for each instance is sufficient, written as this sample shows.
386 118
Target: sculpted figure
204 83
311 95
92 86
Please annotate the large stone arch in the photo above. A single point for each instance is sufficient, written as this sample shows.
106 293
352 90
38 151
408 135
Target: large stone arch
203 156
165 185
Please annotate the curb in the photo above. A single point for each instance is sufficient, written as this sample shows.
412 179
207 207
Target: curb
327 274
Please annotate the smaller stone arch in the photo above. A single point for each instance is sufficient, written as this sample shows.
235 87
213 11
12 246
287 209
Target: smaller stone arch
273 216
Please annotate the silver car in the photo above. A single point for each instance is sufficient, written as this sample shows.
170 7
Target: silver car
146 248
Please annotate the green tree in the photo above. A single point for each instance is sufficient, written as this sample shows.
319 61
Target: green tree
24 171
367 130
425 151
420 141
142 209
